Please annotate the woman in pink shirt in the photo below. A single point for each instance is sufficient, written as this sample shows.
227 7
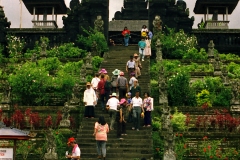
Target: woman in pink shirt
100 132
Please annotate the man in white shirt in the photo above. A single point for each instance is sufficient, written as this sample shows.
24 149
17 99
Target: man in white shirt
76 152
112 105
130 66
131 81
137 106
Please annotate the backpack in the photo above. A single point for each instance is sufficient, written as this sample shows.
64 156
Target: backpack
144 34
107 86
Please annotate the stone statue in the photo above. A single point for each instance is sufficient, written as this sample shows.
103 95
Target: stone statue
224 76
94 49
6 92
158 50
98 24
51 146
43 52
88 60
211 52
65 122
75 94
235 91
157 25
217 66
162 87
83 74
34 57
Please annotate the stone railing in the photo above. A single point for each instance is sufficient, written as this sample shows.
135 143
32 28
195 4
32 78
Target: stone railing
216 24
44 24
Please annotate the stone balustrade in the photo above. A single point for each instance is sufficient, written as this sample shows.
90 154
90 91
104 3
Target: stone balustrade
216 24
44 24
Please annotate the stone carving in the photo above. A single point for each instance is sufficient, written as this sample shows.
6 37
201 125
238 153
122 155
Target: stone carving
94 49
83 74
65 122
3 25
158 50
224 76
162 87
75 94
6 92
51 146
235 91
98 24
215 15
217 66
34 57
43 52
157 25
211 52
88 60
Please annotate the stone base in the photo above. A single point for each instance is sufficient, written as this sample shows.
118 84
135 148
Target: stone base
217 73
235 107
74 101
169 155
50 156
65 123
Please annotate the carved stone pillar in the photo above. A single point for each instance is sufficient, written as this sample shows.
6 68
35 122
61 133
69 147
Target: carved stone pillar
217 66
162 87
211 52
158 50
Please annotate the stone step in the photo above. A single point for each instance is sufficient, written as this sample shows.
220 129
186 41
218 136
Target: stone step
113 135
124 149
125 156
114 132
120 144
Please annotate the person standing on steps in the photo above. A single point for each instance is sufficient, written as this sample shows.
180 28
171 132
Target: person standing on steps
103 71
126 36
144 31
101 91
114 80
130 67
101 130
112 105
122 84
76 152
142 46
137 107
121 123
135 88
147 106
148 47
94 84
138 65
150 35
131 81
107 87
89 100
129 109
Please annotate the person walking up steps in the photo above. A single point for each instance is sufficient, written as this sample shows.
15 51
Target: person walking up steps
126 36
138 65
100 132
114 78
137 106
112 105
101 91
130 67
142 46
122 84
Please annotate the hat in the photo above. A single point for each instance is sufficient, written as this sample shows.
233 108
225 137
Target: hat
129 93
103 70
114 94
88 84
135 80
121 73
135 55
116 72
123 100
132 74
71 140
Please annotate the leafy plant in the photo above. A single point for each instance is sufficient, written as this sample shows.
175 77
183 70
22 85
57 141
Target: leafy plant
24 147
156 124
178 121
194 54
181 147
96 62
50 64
93 36
204 98
15 46
67 50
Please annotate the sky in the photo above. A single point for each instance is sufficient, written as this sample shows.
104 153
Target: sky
12 12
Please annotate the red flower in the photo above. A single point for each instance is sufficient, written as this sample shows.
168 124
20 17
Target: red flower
180 135
204 150
205 138
176 134
211 156
29 147
209 147
185 146
157 149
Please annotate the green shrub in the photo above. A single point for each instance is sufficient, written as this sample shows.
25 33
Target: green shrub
96 62
194 54
36 50
15 46
158 145
50 64
73 68
234 70
204 98
223 98
154 90
178 121
229 56
93 35
67 50
179 91
156 124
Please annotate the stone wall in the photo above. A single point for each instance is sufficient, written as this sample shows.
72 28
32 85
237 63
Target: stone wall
133 25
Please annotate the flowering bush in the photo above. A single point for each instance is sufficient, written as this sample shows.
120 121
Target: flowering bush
178 121
15 46
24 147
181 147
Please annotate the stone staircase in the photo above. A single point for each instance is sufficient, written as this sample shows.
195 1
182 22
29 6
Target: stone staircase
136 144
117 58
